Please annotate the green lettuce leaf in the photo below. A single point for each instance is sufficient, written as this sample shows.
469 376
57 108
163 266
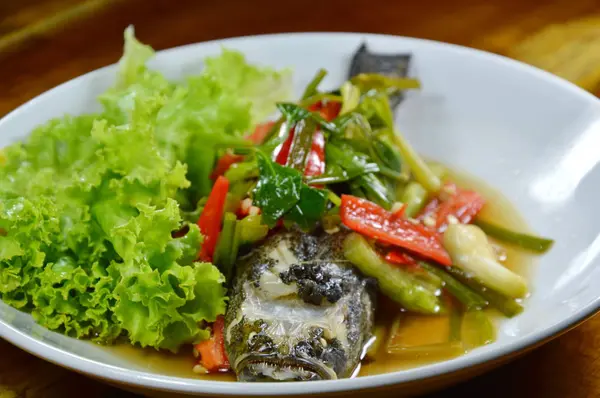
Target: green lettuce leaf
260 87
88 204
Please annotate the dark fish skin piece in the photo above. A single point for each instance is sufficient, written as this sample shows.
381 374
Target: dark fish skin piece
394 65
298 310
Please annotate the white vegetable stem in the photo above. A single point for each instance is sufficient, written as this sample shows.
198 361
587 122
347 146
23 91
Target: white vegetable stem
470 250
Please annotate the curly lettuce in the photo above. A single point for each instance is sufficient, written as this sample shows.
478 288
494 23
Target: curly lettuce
88 204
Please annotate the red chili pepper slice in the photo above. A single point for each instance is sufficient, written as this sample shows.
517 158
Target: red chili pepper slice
375 222
210 219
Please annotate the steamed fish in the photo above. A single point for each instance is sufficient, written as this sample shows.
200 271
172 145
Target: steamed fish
298 311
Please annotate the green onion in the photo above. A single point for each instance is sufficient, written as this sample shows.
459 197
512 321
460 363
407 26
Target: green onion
469 298
506 305
525 241
311 88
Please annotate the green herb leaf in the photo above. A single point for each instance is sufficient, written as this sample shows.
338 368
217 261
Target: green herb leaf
353 163
278 189
310 208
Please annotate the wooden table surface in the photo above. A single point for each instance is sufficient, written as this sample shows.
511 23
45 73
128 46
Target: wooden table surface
46 42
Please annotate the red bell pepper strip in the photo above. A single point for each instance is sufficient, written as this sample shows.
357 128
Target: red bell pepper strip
373 221
462 204
260 132
212 351
224 163
210 219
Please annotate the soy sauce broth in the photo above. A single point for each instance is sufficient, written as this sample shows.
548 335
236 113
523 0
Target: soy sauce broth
417 329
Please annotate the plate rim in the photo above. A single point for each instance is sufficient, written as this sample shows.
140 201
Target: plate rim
142 379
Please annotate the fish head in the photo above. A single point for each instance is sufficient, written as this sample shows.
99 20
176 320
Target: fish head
298 311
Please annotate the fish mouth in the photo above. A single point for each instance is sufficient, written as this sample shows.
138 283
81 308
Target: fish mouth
276 368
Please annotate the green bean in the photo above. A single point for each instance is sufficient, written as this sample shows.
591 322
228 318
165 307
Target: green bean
311 88
506 305
414 197
468 297
419 169
394 282
525 241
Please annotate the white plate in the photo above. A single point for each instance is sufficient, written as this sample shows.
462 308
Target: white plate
533 136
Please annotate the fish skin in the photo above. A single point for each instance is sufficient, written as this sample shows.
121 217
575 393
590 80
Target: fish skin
298 310
392 65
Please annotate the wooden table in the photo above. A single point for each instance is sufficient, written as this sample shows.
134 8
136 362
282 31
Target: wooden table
44 43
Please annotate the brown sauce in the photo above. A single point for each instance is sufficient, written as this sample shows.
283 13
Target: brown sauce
415 331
